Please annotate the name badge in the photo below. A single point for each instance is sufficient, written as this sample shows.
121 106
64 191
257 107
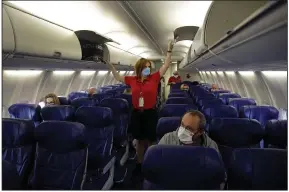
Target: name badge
141 102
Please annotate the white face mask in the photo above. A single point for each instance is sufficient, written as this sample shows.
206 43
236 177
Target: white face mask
185 135
176 76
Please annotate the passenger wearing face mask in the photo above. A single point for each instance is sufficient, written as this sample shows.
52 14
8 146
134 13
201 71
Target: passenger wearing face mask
174 79
51 99
190 132
144 90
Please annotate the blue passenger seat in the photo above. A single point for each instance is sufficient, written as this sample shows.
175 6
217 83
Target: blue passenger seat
276 134
58 113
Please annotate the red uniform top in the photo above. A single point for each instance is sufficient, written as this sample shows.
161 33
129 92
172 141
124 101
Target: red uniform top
176 80
148 89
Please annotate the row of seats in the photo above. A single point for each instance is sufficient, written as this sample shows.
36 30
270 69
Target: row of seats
237 125
196 168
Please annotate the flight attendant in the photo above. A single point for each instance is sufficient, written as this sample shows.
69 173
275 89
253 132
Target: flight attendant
144 88
174 79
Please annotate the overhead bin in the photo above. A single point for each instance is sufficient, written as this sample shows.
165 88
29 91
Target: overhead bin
185 33
223 20
118 57
8 44
37 37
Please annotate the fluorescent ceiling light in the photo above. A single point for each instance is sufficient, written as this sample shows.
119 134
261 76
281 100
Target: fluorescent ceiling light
220 72
63 72
87 73
102 72
122 72
246 72
22 72
275 73
230 72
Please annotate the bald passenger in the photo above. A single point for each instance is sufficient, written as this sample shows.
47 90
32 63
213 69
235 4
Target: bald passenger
91 91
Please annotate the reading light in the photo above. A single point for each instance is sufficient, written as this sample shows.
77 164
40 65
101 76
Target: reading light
22 72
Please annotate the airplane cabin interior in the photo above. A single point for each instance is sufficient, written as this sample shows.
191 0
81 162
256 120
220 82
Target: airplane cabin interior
72 110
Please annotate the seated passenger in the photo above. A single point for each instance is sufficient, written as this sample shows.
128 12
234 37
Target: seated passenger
51 99
190 132
127 91
214 88
184 87
91 91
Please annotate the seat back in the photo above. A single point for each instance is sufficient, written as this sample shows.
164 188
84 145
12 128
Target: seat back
58 113
179 100
121 112
206 102
239 102
220 111
226 96
175 110
276 134
231 133
99 130
74 95
128 98
61 156
183 167
26 111
10 178
217 93
178 94
63 100
258 169
166 125
261 113
83 101
18 146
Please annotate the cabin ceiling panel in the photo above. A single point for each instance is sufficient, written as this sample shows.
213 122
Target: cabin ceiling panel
107 18
163 17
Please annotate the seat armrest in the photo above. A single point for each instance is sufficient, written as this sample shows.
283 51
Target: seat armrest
105 164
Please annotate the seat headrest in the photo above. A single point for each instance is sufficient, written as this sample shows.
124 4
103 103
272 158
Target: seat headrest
183 167
220 111
60 136
235 132
258 169
260 113
94 116
25 111
177 110
63 100
118 105
74 95
167 124
17 132
83 101
217 93
226 96
276 133
58 113
239 102
204 102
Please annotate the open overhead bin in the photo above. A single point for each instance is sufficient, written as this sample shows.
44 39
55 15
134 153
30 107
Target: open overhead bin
244 36
47 45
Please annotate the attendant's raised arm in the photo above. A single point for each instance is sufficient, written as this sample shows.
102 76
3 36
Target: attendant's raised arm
165 66
116 75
